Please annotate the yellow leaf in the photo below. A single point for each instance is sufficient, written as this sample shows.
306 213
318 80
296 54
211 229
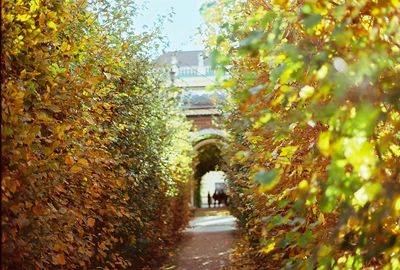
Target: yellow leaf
395 149
23 18
83 162
65 46
396 205
321 218
324 143
303 185
107 106
52 25
90 222
76 169
269 247
280 3
9 17
44 117
34 5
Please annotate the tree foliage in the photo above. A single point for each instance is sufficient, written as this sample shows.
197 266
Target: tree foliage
95 154
315 123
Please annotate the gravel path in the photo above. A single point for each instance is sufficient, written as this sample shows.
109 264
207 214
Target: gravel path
207 242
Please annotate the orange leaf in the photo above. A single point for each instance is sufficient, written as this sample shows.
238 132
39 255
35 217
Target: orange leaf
69 160
57 247
91 222
59 259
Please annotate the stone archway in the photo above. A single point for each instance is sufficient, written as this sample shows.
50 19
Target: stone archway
208 133
208 144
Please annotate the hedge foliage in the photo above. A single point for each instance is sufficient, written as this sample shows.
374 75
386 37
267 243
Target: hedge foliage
95 154
315 125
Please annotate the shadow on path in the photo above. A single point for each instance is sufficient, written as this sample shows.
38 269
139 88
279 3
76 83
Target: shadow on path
207 242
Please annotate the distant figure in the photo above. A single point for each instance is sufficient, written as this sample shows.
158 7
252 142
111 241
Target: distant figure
209 199
219 198
215 198
222 196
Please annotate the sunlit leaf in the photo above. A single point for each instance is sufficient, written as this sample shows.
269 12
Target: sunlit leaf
367 193
52 25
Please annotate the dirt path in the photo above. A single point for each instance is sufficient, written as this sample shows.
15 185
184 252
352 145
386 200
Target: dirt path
207 242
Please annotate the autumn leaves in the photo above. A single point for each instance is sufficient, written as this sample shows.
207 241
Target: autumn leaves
93 154
315 123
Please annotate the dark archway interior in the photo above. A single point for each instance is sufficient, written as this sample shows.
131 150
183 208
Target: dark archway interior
208 158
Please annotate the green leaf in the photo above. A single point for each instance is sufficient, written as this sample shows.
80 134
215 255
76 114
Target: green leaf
253 41
329 200
361 154
305 239
363 122
250 77
218 59
283 203
312 20
267 179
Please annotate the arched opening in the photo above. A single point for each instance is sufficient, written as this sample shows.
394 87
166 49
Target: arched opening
212 182
208 175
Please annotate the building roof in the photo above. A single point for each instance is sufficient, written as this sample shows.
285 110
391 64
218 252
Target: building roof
183 58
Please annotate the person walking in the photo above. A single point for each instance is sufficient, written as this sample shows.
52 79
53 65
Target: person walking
215 198
209 199
219 198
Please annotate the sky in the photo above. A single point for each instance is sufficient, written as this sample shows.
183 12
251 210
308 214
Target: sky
181 32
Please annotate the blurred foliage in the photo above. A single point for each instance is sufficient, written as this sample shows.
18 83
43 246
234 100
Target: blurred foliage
95 154
315 125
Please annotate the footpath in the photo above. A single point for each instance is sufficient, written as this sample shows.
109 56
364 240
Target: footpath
207 242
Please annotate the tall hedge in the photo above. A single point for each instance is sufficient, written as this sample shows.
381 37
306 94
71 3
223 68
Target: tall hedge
315 121
95 154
